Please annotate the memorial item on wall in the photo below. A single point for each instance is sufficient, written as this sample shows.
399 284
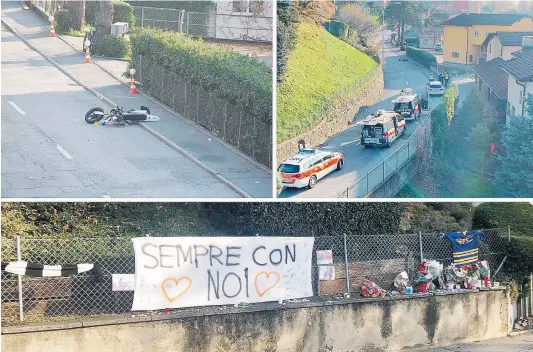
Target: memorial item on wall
465 246
39 270
177 272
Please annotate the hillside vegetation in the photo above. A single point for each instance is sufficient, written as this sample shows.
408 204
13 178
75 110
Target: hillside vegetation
321 71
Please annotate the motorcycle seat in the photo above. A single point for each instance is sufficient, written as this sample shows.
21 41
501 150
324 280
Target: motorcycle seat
134 116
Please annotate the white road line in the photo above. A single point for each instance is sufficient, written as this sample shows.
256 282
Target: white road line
64 152
346 143
17 108
106 196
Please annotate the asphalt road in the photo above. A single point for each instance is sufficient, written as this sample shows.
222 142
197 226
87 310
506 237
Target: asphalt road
358 159
49 151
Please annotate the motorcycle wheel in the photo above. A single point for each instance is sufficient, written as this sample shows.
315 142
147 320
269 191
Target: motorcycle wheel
91 117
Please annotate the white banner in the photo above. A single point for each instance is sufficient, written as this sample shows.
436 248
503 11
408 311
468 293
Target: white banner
177 272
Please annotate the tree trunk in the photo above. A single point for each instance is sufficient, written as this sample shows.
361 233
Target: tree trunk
403 33
77 11
103 17
398 43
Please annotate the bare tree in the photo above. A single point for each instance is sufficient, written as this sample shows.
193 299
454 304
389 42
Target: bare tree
103 17
77 11
360 21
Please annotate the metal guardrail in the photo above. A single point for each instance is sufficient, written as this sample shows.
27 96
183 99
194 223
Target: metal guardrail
373 179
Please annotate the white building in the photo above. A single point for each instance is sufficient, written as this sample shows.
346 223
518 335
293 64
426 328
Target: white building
520 81
503 44
245 20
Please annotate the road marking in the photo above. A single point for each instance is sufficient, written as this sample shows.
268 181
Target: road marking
64 152
106 196
346 143
17 108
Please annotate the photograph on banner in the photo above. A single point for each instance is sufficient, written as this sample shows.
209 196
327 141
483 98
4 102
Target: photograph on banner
178 272
377 98
198 272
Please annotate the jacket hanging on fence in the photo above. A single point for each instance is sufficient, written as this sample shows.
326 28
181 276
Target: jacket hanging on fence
39 270
465 246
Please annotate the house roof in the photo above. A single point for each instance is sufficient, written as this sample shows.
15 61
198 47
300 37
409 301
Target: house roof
471 19
520 65
508 38
494 76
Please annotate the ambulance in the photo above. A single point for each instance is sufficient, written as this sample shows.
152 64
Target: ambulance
408 105
382 129
308 166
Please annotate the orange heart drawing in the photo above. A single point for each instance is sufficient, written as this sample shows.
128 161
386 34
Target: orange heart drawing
267 274
176 283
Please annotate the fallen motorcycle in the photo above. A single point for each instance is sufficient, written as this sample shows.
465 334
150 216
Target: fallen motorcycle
119 116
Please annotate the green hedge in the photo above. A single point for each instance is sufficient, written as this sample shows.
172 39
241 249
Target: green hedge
421 56
115 46
237 78
441 118
337 28
63 21
519 216
123 12
287 22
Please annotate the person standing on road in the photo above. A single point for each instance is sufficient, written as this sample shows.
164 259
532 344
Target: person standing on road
441 77
446 78
431 77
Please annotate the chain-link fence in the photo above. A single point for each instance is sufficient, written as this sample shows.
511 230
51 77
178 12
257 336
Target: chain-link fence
373 179
50 7
378 258
231 26
251 134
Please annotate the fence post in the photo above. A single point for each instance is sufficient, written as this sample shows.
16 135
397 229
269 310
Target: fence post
531 294
142 16
21 307
346 266
508 233
182 15
197 101
420 243
188 22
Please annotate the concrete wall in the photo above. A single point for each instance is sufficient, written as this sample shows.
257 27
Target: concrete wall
349 326
337 120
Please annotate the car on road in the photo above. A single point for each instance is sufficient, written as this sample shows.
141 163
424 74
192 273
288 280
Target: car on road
408 105
435 88
382 129
438 47
308 166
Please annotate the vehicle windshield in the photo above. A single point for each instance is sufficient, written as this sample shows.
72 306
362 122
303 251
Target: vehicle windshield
436 85
402 106
289 168
372 131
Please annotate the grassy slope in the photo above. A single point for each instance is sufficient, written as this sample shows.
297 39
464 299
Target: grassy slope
319 66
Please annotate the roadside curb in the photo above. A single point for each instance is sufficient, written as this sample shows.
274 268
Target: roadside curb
108 101
162 105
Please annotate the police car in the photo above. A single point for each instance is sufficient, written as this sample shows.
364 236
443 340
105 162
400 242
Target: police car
382 129
308 166
435 88
408 105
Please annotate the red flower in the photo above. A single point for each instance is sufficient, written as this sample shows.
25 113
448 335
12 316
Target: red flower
167 310
66 227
